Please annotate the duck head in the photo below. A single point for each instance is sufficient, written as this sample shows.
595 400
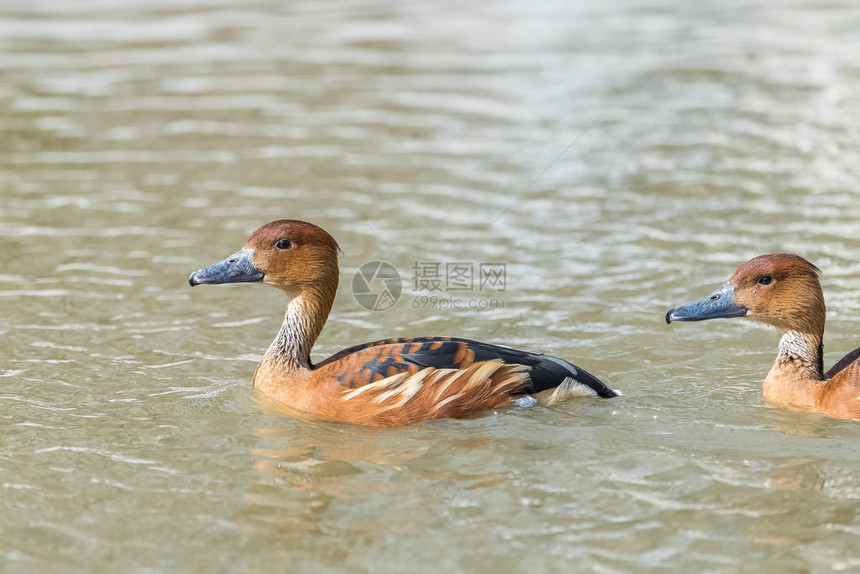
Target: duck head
288 254
778 289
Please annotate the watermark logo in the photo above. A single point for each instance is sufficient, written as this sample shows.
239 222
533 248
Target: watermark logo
439 285
453 276
377 286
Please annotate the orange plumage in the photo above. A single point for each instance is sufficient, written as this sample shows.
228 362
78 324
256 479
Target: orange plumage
386 383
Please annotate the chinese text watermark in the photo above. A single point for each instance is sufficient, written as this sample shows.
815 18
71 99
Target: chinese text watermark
440 285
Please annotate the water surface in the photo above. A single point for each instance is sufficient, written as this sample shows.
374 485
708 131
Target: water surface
141 141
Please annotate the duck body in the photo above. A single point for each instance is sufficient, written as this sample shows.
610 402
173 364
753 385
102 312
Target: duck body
394 382
836 394
784 290
840 395
386 383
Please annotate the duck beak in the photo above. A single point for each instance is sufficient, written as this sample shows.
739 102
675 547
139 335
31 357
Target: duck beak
238 268
719 304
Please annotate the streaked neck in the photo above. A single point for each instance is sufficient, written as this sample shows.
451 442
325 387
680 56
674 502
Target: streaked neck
306 314
802 351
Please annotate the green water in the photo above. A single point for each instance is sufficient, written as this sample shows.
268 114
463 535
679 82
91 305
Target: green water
141 141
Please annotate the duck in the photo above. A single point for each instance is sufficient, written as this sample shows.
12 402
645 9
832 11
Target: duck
386 383
783 290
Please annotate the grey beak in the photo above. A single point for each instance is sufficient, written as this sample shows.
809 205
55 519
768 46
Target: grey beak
238 268
719 304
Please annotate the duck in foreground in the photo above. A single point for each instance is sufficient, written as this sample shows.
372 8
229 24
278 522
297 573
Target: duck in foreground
386 383
783 290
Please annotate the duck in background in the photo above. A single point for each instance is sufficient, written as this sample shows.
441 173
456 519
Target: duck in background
783 290
385 383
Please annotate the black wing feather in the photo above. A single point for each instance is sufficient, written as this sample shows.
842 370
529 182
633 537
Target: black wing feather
547 372
843 362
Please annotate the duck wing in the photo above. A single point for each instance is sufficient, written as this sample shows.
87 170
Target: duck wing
372 362
842 363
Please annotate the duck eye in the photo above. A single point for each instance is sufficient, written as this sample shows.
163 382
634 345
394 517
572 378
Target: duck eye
283 244
765 280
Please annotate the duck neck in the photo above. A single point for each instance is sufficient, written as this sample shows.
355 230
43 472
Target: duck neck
307 311
795 378
802 352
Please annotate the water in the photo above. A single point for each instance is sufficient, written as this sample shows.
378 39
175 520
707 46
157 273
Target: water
141 141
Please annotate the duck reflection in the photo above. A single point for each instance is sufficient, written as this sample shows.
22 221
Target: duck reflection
308 467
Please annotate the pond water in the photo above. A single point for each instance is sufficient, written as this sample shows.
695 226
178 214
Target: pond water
619 158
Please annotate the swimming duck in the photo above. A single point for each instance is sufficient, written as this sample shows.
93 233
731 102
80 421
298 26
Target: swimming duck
783 290
385 383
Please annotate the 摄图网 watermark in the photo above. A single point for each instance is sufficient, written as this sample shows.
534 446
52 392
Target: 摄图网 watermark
440 285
